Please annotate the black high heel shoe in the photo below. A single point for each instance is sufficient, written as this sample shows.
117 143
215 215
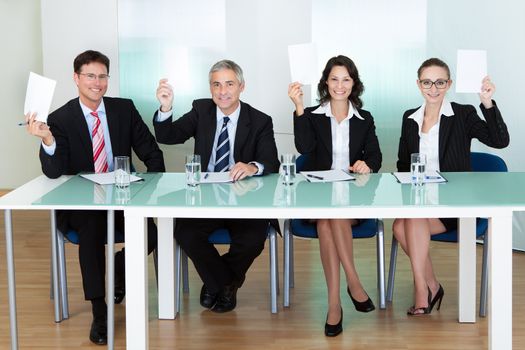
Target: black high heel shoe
362 306
332 330
437 298
413 311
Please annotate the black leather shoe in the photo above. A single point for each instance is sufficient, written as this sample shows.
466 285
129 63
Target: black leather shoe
227 299
207 298
332 330
99 331
362 306
120 277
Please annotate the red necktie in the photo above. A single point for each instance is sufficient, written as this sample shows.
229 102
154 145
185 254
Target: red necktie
99 151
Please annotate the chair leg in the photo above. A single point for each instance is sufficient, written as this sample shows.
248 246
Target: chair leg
287 250
381 263
54 267
184 265
392 270
484 279
178 267
156 265
62 275
273 269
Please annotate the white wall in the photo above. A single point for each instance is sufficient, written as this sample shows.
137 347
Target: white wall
21 52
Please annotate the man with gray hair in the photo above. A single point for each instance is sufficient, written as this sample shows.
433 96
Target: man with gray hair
232 136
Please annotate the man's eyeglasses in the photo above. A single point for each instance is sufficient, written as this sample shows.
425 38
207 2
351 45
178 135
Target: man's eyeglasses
440 83
93 77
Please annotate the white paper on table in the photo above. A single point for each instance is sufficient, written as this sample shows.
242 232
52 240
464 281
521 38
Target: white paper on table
39 94
107 178
303 63
470 71
430 177
215 178
327 175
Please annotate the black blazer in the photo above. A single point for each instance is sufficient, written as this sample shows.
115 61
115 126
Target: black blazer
455 135
313 137
74 148
254 138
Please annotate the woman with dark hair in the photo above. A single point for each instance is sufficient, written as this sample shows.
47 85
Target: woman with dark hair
337 134
443 132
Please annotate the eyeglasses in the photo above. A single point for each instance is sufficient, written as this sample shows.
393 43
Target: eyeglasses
440 83
93 77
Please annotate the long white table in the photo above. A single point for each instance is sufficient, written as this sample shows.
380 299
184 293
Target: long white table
466 195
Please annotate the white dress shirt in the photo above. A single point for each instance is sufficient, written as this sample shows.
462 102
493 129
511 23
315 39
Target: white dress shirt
340 134
429 142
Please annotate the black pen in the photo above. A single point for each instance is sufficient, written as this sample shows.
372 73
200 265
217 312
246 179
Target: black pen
206 175
315 177
22 124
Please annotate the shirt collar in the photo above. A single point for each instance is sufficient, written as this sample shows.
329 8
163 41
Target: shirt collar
446 110
234 117
327 110
87 111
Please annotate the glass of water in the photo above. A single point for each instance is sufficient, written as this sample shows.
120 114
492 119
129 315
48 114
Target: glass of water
193 169
418 164
121 165
288 168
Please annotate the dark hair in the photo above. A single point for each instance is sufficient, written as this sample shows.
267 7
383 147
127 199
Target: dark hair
88 57
433 62
357 89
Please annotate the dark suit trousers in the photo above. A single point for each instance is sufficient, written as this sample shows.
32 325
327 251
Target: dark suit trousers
216 271
91 226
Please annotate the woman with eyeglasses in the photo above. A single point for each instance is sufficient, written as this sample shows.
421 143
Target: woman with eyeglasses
443 131
337 134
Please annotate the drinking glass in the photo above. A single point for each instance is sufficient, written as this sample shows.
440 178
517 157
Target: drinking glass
288 168
122 171
418 163
193 169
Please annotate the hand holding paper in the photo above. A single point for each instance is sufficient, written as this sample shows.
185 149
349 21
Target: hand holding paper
470 71
39 94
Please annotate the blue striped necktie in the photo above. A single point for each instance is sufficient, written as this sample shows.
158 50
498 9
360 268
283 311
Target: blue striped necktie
222 157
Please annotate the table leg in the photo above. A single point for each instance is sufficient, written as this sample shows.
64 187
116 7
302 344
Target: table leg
11 277
136 282
467 270
166 266
111 278
500 282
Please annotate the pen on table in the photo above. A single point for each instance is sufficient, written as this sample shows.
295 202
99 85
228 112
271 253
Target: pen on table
315 177
432 177
206 175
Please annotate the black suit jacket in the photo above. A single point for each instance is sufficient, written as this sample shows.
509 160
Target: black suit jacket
254 138
455 135
74 148
313 137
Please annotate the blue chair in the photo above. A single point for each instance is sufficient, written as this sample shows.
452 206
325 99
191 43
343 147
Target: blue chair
482 162
61 238
300 228
222 236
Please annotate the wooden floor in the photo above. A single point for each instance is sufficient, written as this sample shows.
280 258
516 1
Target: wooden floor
251 325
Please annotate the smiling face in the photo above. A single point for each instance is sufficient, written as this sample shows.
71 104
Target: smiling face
433 74
225 90
91 91
339 84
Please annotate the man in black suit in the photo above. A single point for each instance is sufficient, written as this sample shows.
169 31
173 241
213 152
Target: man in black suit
230 135
115 127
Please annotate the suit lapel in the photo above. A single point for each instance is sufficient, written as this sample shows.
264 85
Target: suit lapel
325 132
243 130
79 121
209 137
112 118
445 127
